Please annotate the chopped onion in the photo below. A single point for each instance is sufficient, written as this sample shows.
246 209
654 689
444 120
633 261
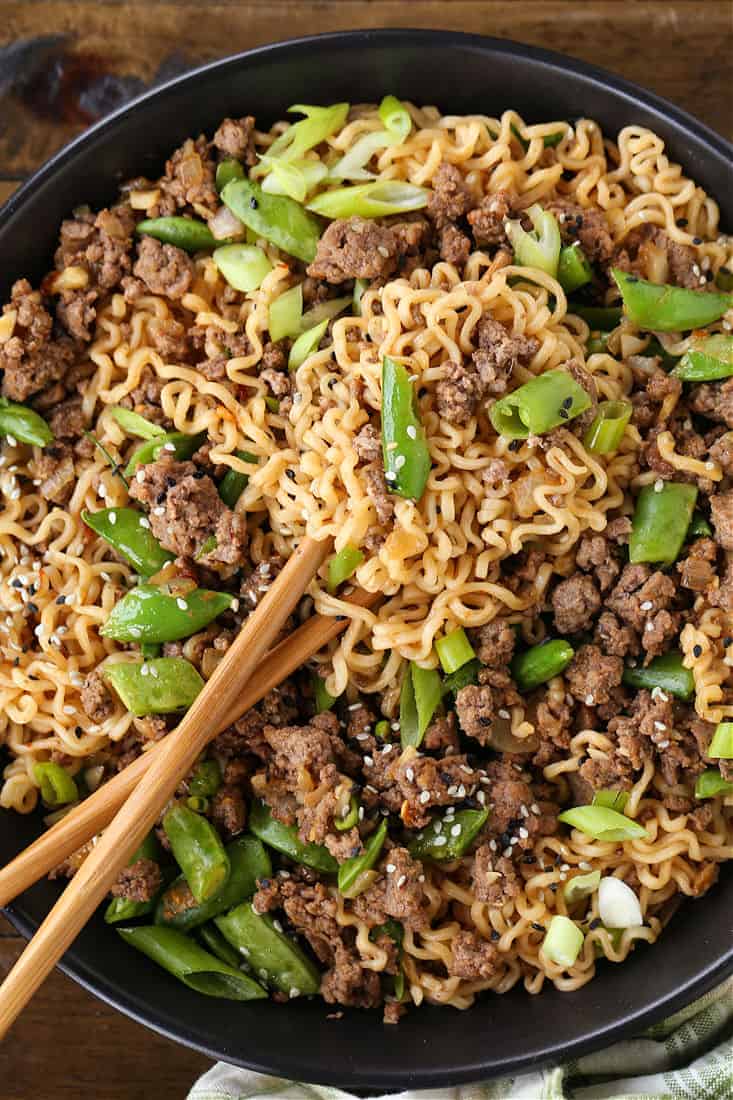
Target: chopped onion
563 941
618 905
225 225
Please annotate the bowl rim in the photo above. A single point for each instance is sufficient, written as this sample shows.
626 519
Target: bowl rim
630 1020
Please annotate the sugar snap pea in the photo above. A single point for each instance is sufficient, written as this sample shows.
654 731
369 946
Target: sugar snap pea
192 964
187 233
404 443
660 522
206 779
540 663
23 424
352 874
128 532
163 685
212 939
248 862
147 614
277 218
663 308
449 839
666 672
285 839
178 445
134 424
233 484
272 955
198 851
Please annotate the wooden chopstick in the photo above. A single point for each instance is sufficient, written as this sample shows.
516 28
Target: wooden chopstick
157 786
97 810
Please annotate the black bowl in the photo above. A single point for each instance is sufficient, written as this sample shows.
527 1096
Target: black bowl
431 1047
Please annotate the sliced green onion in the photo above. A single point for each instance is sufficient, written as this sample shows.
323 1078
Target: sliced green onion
540 663
454 650
541 248
134 424
544 403
699 527
370 200
295 180
666 672
324 311
306 344
360 285
660 522
707 361
343 565
227 171
607 430
612 800
351 165
277 218
419 698
549 140
711 784
319 123
581 886
272 403
563 941
663 308
382 729
573 269
285 313
352 879
395 118
351 818
721 746
406 465
598 343
244 266
601 823
462 677
57 786
323 698
198 803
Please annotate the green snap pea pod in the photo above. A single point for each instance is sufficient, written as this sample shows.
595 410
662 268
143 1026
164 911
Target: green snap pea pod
711 784
272 955
721 746
163 685
708 360
187 233
444 840
206 779
666 672
454 650
663 308
150 650
660 522
128 532
612 800
277 218
352 874
212 939
371 200
404 443
343 565
192 964
248 862
233 484
134 424
198 851
178 445
23 424
547 401
57 786
284 838
699 527
573 269
540 663
227 171
120 909
146 614
598 318
306 344
323 698
607 430
540 248
420 695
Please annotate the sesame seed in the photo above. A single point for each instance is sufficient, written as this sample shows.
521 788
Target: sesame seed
507 853
504 713
535 809
277 925
466 769
144 670
649 625
523 810
663 745
456 830
481 798
493 845
145 522
411 431
584 865
353 706
410 775
362 737
169 447
38 631
294 991
12 441
387 749
159 511
102 490
369 761
401 881
424 797
461 791
564 866
390 475
523 833
660 726
181 603
658 485
399 462
69 710
390 868
439 841
697 651
421 878
647 605
590 700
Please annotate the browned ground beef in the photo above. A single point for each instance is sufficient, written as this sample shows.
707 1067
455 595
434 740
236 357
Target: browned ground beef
355 249
138 882
451 198
235 138
487 220
575 602
31 359
163 268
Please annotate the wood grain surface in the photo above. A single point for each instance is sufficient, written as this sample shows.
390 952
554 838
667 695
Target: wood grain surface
62 64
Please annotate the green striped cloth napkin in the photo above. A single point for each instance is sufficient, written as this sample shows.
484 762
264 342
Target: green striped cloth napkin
688 1057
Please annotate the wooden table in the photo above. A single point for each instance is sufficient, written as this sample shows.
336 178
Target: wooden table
62 62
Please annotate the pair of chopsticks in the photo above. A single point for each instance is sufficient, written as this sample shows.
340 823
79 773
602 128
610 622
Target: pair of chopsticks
128 805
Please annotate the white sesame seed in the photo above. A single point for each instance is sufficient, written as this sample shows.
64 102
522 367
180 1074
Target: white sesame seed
294 992
439 841
424 797
276 924
590 700
144 670
362 737
524 833
456 830
411 431
145 522
535 809
649 625
658 485
169 447
181 603
136 631
159 511
465 768
584 865
660 726
409 774
507 853
493 845
461 791
421 878
140 476
387 750
390 868
647 605
38 631
523 810
102 490
504 713
353 706
663 745
481 797
395 726
399 462
401 881
69 709
12 441
369 761
660 695
390 475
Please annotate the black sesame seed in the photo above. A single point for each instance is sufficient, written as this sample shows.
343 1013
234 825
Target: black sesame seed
160 497
60 600
495 935
697 240
633 279
594 923
32 608
341 618
538 927
727 641
198 474
697 651
529 858
16 662
78 731
253 203
32 589
291 474
567 402
681 222
564 414
484 720
16 583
